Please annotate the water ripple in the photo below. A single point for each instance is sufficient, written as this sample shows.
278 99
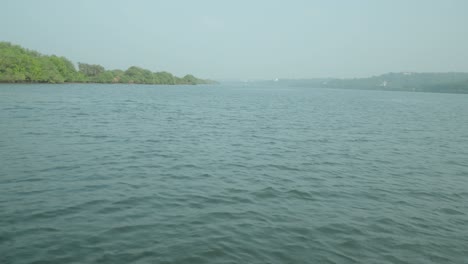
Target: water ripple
226 174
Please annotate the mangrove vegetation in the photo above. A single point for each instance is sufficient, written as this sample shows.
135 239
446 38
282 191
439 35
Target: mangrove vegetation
20 65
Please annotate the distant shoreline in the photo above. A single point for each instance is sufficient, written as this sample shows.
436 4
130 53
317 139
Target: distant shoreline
434 82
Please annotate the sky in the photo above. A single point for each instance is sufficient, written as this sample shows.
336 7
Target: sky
247 39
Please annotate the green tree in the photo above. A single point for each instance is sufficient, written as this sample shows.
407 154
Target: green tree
65 68
21 65
90 70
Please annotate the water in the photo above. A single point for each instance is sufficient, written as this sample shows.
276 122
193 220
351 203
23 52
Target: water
231 174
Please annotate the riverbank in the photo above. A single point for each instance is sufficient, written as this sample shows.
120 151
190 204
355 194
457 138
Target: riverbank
20 65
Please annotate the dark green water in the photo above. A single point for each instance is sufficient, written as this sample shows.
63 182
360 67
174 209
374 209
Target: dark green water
231 174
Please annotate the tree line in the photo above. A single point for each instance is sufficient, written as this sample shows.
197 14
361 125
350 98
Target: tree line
450 82
440 82
18 64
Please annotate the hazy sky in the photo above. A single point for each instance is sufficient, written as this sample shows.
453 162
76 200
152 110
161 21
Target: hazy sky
244 39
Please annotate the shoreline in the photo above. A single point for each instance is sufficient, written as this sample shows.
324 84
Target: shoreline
160 84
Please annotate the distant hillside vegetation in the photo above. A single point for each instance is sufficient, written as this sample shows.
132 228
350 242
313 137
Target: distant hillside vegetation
453 82
21 65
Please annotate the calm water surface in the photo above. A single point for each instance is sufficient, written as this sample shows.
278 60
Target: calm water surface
231 174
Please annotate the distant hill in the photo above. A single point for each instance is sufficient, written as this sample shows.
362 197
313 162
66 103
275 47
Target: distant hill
18 64
451 82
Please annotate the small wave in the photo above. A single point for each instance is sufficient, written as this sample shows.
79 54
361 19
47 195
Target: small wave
298 194
35 133
451 211
60 168
31 179
94 136
268 192
341 228
36 230
185 166
276 166
67 210
128 229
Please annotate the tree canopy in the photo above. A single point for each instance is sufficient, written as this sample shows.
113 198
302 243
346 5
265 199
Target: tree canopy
18 64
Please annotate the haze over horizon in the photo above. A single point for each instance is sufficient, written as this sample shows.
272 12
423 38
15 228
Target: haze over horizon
247 40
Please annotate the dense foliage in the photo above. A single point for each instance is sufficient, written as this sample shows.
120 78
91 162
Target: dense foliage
21 65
